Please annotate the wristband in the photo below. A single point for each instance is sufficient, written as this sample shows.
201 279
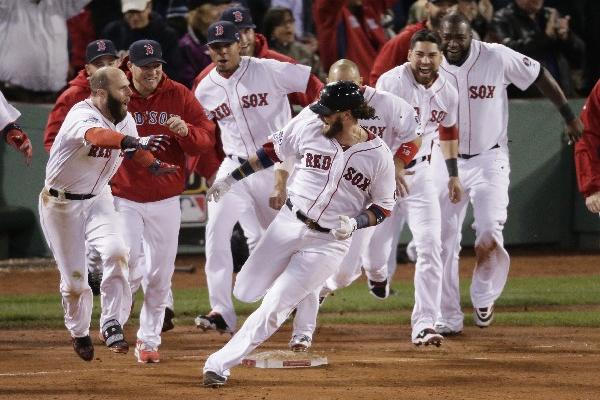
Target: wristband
129 143
566 112
362 220
9 127
452 167
406 152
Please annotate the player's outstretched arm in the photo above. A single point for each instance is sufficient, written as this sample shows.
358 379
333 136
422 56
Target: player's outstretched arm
264 158
110 139
14 136
550 88
449 147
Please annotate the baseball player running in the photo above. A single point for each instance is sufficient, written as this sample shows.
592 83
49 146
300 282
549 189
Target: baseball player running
12 132
587 160
76 205
247 97
481 72
158 106
343 181
395 123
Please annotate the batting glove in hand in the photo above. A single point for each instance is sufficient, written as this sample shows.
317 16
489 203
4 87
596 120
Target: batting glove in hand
158 168
20 141
347 227
153 142
219 188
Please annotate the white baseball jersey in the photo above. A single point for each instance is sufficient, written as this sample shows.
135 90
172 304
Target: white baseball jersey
8 113
75 165
437 104
481 83
257 85
329 181
395 120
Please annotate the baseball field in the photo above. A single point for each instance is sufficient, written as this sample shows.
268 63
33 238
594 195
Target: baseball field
544 344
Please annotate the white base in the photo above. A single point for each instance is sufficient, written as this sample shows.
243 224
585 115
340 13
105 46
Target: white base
283 359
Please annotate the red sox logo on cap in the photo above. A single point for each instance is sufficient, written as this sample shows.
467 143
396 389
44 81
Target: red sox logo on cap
149 49
101 45
219 30
238 16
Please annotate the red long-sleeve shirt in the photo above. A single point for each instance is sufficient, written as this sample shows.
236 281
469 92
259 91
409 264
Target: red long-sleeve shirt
342 35
150 114
394 52
587 149
79 89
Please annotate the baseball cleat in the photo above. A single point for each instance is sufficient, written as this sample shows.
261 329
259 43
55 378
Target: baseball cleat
445 330
168 320
300 343
483 316
212 321
113 337
428 336
145 353
212 379
380 290
83 347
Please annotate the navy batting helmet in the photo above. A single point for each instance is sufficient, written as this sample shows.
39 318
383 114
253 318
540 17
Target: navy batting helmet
338 96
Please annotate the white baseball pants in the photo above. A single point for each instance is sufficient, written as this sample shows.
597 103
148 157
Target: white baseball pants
247 202
158 224
485 179
67 226
290 262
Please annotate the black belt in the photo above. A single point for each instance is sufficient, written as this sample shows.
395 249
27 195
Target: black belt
417 160
70 196
467 156
311 223
236 158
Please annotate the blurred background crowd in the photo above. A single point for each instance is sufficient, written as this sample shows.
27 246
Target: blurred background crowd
43 42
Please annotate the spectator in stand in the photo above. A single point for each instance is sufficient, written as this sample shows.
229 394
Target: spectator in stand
479 13
587 161
543 34
138 23
348 29
177 16
99 53
417 12
33 47
81 32
302 15
395 52
280 31
194 51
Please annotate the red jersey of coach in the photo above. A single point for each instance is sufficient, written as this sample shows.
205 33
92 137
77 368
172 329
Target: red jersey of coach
170 98
587 149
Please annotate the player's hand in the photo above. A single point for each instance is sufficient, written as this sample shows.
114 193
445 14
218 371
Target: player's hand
347 227
455 190
401 185
574 130
153 142
158 168
219 188
177 126
20 141
593 202
277 198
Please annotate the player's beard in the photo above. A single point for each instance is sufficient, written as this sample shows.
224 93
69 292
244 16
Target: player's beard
115 108
334 129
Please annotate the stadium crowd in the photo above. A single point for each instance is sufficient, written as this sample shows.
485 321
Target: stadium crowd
44 41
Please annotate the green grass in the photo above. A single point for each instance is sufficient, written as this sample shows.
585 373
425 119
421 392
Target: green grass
548 301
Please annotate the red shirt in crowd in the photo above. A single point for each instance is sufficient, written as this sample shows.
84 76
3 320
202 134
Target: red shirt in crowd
587 149
394 52
342 35
150 114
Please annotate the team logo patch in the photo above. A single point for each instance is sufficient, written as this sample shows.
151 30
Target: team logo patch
91 120
101 45
219 30
277 137
237 16
149 49
526 61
